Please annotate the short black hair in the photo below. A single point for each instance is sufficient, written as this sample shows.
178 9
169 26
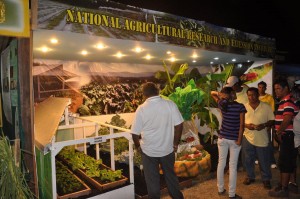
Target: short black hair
282 82
226 90
150 89
262 83
253 89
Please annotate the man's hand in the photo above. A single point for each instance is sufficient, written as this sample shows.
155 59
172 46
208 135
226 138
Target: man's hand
278 138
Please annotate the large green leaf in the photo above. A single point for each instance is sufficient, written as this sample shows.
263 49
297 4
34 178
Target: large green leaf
186 97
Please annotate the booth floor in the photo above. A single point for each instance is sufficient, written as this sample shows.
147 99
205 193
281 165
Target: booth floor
206 186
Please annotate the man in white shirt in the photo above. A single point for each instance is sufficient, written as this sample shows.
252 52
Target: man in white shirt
156 132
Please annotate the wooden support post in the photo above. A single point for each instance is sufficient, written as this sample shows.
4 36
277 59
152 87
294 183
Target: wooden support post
27 108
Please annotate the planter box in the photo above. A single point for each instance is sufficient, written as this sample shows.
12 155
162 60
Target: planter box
85 191
101 185
96 182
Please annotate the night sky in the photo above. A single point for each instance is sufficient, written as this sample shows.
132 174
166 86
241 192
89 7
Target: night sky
273 18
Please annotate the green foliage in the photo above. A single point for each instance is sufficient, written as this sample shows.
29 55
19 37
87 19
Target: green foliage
171 80
121 144
12 181
191 92
84 110
89 165
66 182
187 98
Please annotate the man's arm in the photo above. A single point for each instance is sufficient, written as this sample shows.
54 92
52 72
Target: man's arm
215 95
177 135
242 128
136 141
285 123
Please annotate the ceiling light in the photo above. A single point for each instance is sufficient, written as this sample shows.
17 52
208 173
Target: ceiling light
100 46
169 52
194 55
84 52
216 58
233 60
148 57
45 49
194 61
248 60
172 59
211 62
119 55
240 65
54 41
138 50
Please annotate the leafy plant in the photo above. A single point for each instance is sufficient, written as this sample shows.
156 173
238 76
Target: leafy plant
12 181
191 93
92 167
66 182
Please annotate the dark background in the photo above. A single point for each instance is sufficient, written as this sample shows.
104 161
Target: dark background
279 19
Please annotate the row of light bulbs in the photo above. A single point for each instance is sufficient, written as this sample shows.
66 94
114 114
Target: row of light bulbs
119 55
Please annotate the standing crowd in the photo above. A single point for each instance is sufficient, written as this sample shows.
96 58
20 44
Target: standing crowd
250 128
251 120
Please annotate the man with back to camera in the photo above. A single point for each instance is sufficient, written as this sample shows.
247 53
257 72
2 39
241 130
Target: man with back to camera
265 97
284 116
258 118
159 123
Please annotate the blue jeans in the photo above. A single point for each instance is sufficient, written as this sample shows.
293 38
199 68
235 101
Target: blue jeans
263 155
224 145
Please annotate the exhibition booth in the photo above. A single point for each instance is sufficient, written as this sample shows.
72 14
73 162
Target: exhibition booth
88 60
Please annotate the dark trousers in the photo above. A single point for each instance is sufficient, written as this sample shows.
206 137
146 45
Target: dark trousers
152 176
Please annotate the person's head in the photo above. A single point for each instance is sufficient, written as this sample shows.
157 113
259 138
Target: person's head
149 89
295 92
281 88
297 84
234 82
262 87
253 95
228 93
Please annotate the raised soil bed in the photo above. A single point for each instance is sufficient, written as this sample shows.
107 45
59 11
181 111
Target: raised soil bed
82 190
98 183
95 181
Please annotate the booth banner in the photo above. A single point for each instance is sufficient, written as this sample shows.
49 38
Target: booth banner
119 21
254 73
14 18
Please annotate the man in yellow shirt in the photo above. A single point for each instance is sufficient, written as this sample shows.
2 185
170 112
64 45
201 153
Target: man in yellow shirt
265 97
258 119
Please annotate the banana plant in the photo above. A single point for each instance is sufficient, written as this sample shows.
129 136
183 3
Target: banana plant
191 93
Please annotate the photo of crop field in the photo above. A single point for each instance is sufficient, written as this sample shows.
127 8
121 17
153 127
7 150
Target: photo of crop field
94 88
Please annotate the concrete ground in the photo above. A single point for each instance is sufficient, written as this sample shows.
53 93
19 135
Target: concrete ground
205 187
